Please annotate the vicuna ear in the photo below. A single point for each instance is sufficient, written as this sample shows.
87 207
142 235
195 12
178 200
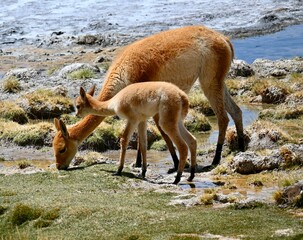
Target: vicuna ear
60 126
92 90
63 129
57 124
82 93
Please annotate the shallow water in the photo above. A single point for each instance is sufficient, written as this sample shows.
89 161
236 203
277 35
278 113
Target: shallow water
284 44
27 19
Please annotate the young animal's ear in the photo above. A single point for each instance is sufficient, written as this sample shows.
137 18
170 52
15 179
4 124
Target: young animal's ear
57 124
92 90
63 129
82 93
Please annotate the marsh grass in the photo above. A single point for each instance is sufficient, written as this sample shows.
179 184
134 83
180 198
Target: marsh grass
105 137
196 122
81 74
159 145
91 203
199 102
42 96
282 112
11 85
13 112
39 134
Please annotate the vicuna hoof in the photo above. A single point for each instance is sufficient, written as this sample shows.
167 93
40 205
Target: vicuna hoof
118 173
178 178
171 170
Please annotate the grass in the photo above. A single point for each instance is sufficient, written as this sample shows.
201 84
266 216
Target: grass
12 111
11 85
39 134
90 203
199 102
196 122
81 74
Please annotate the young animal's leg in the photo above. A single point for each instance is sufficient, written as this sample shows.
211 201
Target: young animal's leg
236 114
169 144
142 128
139 156
128 131
170 127
192 144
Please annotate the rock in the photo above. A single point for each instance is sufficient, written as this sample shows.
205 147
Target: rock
293 195
265 135
273 95
21 74
249 162
75 67
279 68
87 39
269 18
240 68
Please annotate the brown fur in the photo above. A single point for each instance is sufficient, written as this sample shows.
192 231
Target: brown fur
136 103
179 56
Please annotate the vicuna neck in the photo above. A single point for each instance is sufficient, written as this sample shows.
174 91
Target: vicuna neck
100 108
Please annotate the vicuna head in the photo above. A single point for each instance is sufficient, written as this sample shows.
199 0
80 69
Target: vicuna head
82 103
64 147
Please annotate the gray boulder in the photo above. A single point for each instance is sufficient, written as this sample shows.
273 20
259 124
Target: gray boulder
249 162
240 68
75 67
278 68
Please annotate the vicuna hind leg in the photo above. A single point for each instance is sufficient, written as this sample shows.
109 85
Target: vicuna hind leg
128 131
170 127
169 144
215 95
142 128
236 114
192 145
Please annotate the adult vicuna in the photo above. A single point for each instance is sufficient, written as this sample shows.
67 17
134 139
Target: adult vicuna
180 56
138 102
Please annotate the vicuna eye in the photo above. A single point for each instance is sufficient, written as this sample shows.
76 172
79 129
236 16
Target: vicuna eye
62 151
78 106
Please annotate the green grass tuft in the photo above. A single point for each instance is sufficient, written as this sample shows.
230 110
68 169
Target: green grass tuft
11 85
22 213
81 74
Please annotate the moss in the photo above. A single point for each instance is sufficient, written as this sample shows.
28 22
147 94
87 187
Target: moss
24 164
12 111
159 145
196 122
22 213
199 103
81 74
104 137
282 112
45 104
29 134
11 85
70 119
2 209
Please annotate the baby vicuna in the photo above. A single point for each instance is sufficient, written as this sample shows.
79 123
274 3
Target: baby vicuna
136 103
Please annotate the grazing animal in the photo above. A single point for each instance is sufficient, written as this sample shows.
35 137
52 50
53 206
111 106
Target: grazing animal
180 56
138 102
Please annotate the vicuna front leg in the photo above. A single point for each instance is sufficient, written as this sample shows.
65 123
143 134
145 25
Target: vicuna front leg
128 131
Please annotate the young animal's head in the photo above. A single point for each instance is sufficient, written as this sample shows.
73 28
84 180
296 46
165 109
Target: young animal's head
64 147
82 103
